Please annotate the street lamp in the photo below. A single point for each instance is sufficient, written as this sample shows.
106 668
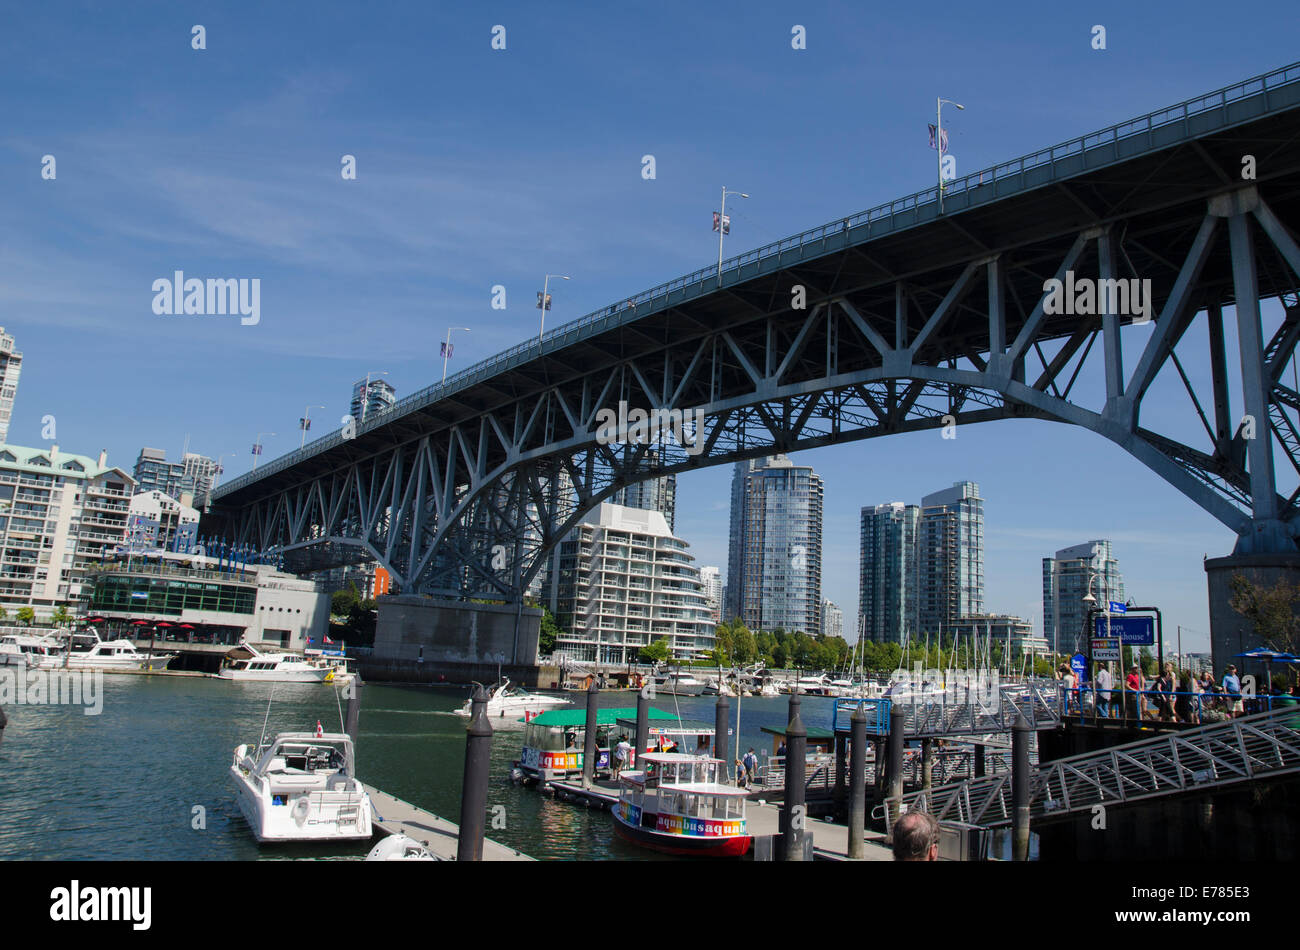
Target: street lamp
446 349
722 225
216 474
938 141
257 447
544 301
305 423
365 393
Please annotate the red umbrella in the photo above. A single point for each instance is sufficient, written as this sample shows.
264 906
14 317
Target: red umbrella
186 626
163 623
139 623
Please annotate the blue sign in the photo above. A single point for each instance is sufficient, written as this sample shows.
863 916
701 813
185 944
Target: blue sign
1079 666
1132 631
1118 608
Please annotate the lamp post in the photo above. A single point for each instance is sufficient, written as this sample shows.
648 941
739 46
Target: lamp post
305 423
1089 599
365 393
938 141
257 447
544 303
446 349
216 474
722 225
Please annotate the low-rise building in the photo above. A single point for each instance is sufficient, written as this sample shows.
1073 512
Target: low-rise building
1016 632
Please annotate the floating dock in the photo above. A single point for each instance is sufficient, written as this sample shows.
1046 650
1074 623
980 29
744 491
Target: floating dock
393 816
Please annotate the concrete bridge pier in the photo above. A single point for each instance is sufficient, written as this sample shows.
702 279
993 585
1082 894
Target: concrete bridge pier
1230 632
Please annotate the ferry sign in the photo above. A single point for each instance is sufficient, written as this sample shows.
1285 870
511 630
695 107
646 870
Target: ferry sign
1105 648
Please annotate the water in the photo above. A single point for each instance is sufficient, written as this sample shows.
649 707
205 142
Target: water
128 784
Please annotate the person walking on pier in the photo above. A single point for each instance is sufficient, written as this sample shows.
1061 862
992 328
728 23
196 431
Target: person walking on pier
749 762
1104 684
916 837
622 752
1232 686
1133 697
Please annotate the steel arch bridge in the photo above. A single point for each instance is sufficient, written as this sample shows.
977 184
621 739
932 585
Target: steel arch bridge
897 319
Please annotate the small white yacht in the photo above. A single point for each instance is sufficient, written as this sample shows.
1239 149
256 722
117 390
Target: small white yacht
301 787
264 663
86 651
22 649
511 704
400 848
678 683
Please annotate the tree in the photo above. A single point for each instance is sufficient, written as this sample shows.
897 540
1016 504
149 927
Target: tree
549 633
655 652
344 602
722 644
1272 611
26 615
60 617
744 648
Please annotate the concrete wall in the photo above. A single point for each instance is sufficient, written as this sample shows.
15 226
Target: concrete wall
1230 632
420 639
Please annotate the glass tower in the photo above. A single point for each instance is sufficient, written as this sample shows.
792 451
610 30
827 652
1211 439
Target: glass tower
887 581
950 569
782 548
1065 583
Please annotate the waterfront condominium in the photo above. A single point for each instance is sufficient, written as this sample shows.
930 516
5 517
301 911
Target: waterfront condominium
61 516
733 595
711 578
832 620
11 365
624 581
1066 579
887 572
370 396
950 557
781 548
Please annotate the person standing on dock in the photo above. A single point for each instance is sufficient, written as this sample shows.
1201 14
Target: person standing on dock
1104 684
750 763
621 754
1232 686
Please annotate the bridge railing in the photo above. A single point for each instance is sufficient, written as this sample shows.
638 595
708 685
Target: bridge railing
900 212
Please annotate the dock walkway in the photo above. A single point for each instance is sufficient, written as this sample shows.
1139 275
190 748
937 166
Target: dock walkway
394 816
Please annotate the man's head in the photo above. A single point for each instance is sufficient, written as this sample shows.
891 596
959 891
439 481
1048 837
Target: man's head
916 837
1231 668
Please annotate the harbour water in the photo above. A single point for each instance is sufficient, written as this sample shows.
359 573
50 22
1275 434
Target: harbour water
148 778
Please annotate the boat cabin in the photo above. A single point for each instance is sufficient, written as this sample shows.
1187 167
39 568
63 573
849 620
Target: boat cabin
298 762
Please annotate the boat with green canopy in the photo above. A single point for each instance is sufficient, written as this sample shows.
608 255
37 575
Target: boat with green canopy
554 740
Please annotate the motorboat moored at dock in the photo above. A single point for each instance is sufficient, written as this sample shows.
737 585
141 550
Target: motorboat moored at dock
86 651
302 787
264 663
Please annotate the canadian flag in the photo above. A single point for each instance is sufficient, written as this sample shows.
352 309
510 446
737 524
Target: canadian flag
319 731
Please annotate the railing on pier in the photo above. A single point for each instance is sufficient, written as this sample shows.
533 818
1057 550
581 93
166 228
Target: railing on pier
1266 745
965 711
949 765
1082 704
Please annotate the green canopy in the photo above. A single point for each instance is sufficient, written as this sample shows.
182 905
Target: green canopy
604 717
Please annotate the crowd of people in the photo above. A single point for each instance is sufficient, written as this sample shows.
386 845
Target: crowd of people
1170 696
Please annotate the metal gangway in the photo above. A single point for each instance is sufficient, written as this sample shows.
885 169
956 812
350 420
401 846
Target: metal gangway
1266 745
964 710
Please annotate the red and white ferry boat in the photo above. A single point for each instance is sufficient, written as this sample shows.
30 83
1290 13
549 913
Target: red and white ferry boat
678 806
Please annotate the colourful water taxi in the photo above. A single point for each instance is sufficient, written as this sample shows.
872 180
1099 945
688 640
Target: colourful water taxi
677 805
554 740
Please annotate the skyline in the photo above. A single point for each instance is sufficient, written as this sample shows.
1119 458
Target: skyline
230 168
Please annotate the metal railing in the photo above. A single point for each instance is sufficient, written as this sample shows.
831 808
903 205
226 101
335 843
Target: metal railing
985 185
1214 756
958 712
1080 704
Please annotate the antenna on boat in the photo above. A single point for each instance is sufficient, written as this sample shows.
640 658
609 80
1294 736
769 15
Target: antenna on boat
262 741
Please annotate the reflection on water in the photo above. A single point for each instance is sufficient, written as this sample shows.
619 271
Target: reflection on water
148 779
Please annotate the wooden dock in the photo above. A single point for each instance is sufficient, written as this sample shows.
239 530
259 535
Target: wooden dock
394 816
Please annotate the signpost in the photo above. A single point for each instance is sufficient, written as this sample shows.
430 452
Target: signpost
1131 631
1117 608
1106 649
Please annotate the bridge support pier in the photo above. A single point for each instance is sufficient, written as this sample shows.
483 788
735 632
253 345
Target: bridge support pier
1230 632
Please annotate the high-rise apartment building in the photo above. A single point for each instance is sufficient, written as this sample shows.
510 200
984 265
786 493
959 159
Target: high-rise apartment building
625 581
782 548
11 365
832 620
887 572
711 578
734 594
653 494
195 475
370 396
950 557
61 516
1067 579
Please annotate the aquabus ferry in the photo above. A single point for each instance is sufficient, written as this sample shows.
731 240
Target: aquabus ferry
678 806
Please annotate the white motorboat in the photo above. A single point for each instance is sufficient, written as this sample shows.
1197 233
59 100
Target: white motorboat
678 683
510 704
86 651
400 848
263 663
335 660
22 649
301 787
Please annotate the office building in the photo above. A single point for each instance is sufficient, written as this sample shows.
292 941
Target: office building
887 572
950 557
733 595
61 516
1067 578
782 548
370 396
11 366
625 581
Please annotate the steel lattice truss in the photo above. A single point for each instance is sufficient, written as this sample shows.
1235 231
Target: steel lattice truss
1198 760
850 335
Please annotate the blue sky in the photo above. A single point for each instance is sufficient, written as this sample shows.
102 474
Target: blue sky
479 167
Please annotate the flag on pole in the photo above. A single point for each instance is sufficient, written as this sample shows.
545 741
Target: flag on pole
328 640
726 222
539 301
448 347
943 139
257 448
304 424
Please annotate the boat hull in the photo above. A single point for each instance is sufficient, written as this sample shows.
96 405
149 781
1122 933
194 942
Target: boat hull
317 821
274 676
732 846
